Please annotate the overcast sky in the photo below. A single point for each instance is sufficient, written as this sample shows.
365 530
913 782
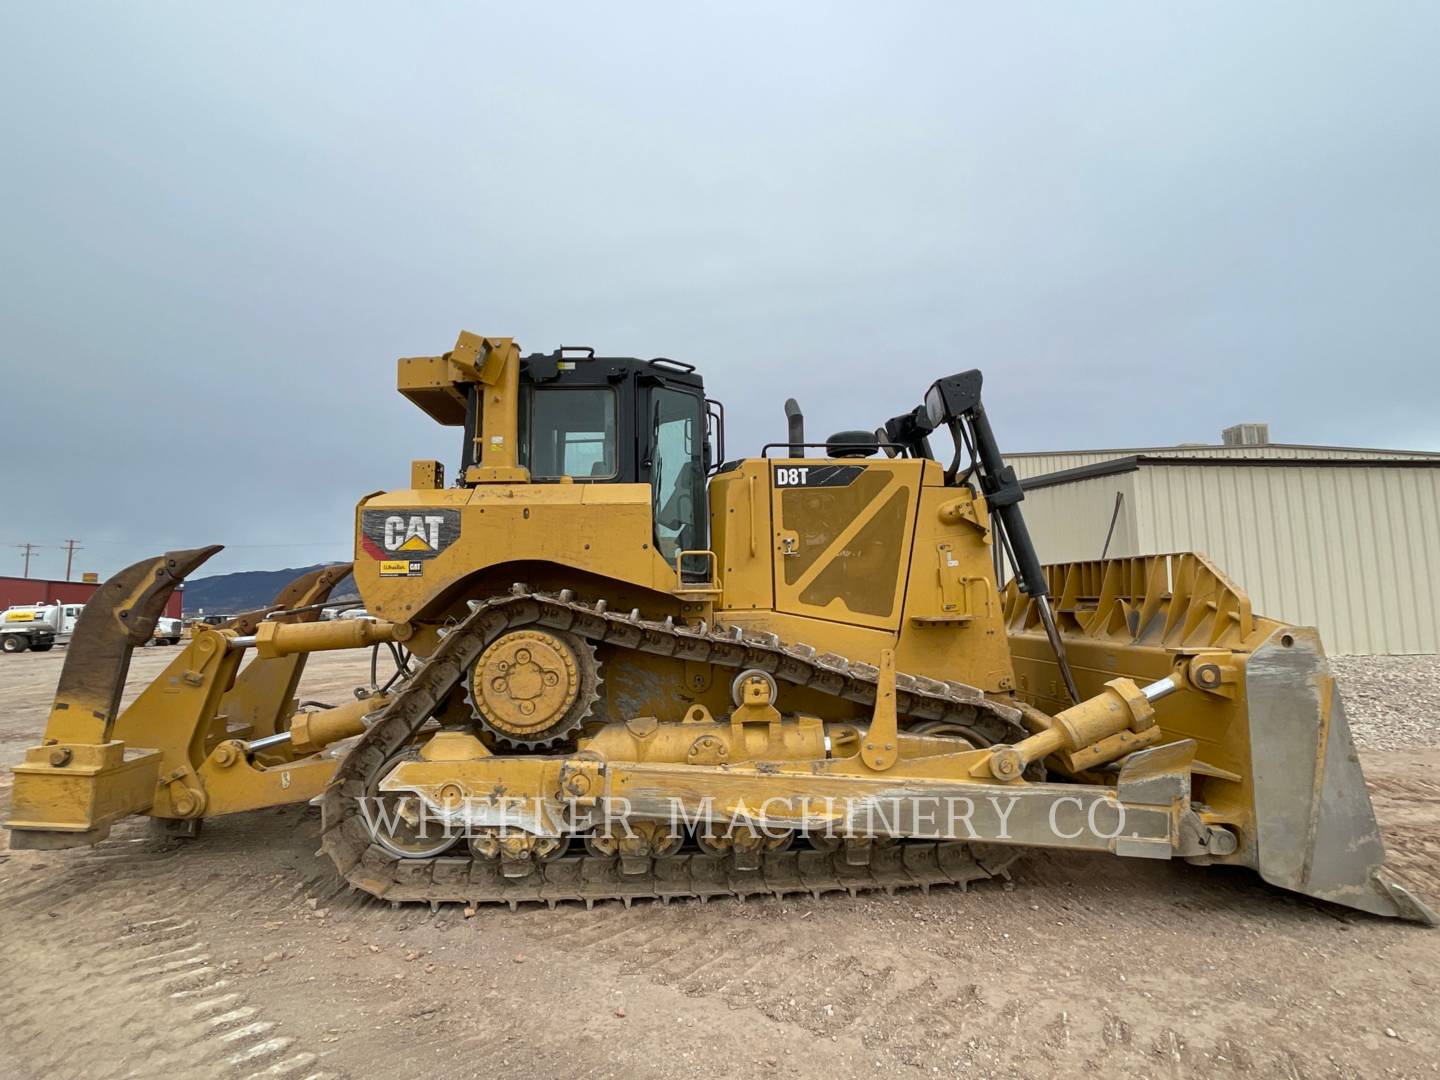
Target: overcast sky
1143 221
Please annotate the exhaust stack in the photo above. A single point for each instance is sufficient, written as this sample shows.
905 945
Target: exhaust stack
796 421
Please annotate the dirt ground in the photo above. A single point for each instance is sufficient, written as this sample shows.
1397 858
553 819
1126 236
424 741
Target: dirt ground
242 953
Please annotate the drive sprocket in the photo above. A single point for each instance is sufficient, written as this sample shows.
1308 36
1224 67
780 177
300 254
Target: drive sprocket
534 687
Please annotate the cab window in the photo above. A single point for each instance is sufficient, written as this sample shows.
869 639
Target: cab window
677 471
569 432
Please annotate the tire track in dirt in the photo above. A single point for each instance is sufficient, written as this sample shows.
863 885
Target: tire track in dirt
148 997
112 937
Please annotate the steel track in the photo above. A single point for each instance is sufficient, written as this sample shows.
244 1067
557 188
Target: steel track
347 839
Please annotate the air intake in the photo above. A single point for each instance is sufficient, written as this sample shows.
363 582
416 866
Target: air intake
1246 435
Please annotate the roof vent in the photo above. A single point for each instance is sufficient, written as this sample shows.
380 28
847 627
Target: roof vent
1246 435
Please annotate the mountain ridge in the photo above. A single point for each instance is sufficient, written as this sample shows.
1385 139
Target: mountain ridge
246 590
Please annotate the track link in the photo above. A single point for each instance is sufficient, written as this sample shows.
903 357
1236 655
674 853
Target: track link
448 878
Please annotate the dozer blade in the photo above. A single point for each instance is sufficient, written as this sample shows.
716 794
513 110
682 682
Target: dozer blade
121 615
1274 759
1315 828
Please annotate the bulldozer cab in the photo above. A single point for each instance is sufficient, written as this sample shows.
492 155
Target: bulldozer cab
582 419
593 420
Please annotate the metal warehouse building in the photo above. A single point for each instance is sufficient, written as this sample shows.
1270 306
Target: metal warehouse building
1347 540
15 591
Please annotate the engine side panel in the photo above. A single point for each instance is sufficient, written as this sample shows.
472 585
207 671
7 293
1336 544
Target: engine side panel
413 548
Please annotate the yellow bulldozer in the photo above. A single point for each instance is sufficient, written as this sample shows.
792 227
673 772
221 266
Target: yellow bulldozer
627 666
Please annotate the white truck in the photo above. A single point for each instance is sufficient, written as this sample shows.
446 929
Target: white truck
168 631
37 626
43 626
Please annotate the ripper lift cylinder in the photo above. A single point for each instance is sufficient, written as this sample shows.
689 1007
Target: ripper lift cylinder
315 729
283 639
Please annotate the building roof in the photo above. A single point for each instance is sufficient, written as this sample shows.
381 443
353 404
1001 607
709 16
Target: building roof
1226 449
16 579
1132 462
1042 462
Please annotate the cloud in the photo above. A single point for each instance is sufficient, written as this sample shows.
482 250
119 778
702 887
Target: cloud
1144 222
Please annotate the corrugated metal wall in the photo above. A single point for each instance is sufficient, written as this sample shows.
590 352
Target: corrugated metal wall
17 591
1037 464
1354 551
1069 522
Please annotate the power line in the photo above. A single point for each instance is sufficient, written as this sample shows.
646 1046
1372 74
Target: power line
71 546
29 550
343 539
228 547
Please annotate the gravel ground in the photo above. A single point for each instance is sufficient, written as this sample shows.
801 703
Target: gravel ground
241 956
1392 702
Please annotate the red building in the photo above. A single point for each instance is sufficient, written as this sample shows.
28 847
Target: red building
17 590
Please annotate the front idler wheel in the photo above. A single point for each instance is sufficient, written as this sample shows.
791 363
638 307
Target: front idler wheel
399 822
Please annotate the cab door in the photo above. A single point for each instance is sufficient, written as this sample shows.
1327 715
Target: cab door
842 537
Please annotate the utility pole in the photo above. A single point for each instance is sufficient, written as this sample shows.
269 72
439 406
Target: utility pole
71 546
29 550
